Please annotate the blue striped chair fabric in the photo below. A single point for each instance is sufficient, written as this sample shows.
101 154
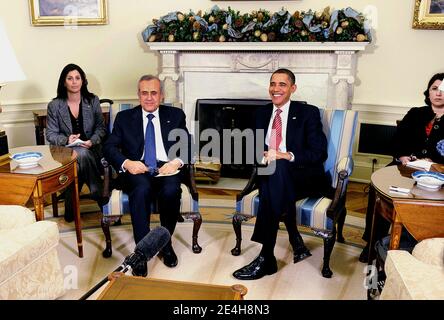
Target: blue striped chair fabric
118 204
339 127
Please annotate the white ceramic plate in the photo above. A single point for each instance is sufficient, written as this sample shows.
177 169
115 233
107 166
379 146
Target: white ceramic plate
27 159
429 179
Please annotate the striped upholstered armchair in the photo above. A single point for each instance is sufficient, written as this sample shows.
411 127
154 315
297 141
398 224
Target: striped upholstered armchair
320 214
118 203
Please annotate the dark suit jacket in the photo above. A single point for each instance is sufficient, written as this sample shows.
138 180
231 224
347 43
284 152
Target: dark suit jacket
59 125
306 140
127 139
411 138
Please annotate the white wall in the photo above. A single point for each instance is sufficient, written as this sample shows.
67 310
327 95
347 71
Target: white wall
392 72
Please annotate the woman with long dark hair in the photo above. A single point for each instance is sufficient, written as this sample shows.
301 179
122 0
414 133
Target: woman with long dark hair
416 137
75 119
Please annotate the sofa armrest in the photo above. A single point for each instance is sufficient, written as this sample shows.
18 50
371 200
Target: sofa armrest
410 278
430 251
15 216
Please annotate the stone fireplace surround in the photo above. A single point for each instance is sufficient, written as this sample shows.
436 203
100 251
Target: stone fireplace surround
325 72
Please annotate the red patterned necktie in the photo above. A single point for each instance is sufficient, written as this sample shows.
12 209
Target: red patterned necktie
276 131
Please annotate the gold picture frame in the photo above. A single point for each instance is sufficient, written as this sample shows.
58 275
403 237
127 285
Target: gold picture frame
68 12
428 14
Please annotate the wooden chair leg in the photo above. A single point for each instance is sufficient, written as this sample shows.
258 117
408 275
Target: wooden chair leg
329 243
197 221
341 221
237 226
108 249
55 206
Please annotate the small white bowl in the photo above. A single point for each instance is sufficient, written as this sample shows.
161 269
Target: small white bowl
27 159
429 179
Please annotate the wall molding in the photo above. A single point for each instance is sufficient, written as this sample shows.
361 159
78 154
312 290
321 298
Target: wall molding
39 104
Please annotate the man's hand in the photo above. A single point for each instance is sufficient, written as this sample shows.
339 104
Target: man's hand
135 167
170 167
272 155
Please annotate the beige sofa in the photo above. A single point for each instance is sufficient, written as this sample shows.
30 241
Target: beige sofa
416 276
29 264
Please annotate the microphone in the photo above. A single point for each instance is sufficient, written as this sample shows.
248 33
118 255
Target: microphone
145 249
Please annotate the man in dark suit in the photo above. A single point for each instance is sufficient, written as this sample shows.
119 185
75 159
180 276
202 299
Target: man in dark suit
296 147
139 147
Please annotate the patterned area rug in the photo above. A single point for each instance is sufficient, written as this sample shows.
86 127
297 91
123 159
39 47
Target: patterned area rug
217 209
215 264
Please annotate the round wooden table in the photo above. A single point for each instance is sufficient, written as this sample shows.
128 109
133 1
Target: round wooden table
381 198
399 176
56 171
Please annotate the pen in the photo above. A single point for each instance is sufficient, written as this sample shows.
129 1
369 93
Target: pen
398 189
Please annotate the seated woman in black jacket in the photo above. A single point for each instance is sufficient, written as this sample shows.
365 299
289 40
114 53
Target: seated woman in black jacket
417 136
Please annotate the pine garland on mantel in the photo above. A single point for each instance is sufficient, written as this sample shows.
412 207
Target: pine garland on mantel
218 25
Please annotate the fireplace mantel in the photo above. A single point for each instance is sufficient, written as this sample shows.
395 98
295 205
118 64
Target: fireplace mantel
325 72
257 46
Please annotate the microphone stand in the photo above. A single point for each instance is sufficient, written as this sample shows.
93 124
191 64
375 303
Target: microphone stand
129 262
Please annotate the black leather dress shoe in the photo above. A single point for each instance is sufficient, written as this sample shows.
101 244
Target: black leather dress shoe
363 257
258 268
68 218
169 257
140 269
301 254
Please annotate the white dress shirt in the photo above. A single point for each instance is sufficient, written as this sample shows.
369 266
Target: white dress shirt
284 117
160 148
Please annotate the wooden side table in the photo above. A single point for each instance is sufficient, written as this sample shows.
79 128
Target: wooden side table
56 171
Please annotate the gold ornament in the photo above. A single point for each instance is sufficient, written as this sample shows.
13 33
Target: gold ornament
360 37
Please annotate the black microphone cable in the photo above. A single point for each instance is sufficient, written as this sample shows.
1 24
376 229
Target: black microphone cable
145 249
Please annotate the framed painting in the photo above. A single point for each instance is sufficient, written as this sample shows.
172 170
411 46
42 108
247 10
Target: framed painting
428 14
67 12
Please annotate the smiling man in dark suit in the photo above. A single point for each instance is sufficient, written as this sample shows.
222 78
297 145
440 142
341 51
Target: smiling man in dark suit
139 146
296 147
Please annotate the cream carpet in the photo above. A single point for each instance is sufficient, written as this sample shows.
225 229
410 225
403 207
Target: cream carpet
224 183
215 264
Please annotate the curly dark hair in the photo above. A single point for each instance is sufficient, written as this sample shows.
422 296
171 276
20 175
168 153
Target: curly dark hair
438 76
61 89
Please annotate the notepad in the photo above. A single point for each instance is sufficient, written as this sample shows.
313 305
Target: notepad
76 143
420 164
167 174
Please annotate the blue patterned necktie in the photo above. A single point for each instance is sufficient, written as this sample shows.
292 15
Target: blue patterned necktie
150 144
